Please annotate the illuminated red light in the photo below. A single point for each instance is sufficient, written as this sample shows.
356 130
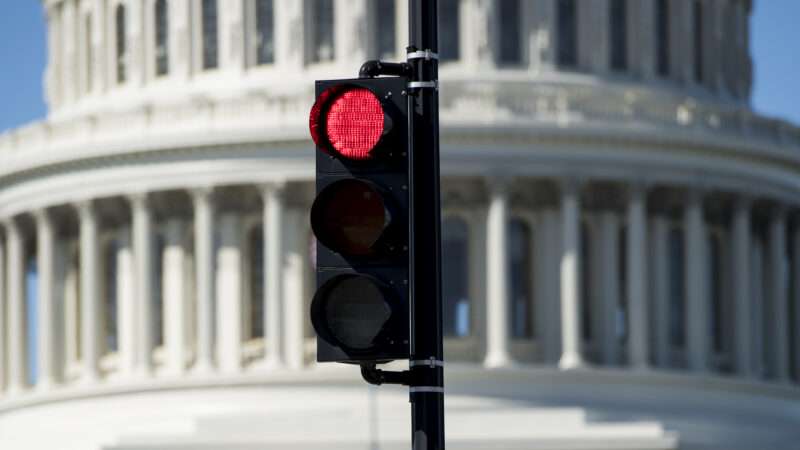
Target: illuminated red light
353 122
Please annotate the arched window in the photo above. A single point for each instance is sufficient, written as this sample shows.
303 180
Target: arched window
567 55
510 12
449 30
322 31
662 38
110 336
618 28
122 51
677 289
210 34
385 28
697 34
521 267
255 240
162 35
455 277
265 26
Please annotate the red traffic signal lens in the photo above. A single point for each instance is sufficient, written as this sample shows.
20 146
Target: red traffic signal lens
352 310
349 217
348 121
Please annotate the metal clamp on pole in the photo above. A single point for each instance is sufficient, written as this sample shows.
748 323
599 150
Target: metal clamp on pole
423 85
423 54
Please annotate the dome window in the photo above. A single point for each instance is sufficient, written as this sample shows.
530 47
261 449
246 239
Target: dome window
567 33
121 47
449 30
618 28
210 34
162 32
322 37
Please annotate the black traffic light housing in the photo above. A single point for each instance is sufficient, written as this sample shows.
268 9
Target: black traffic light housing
360 218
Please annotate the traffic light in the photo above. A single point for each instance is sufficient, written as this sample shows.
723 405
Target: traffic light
360 218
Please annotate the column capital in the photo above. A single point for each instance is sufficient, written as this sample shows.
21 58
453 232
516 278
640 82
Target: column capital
41 214
85 208
743 201
638 188
498 184
139 199
571 185
274 188
202 193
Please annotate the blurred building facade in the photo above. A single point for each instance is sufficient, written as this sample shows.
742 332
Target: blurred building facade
620 230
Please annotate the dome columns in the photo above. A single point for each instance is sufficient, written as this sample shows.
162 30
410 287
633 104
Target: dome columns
570 263
272 196
636 278
742 288
45 264
15 307
497 274
697 306
204 265
779 300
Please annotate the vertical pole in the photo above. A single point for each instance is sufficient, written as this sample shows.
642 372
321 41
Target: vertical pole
427 385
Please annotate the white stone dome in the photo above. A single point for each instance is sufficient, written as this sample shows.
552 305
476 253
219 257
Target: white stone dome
621 238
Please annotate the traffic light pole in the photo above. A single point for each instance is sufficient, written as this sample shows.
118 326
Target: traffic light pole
427 360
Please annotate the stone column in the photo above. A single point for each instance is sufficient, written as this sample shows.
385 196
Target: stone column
290 35
54 69
609 268
126 303
99 40
542 35
593 35
742 289
571 345
231 36
477 33
497 295
779 294
89 291
659 256
229 294
136 67
143 255
45 245
174 295
349 28
204 277
68 37
294 309
180 39
697 301
272 196
638 314
15 279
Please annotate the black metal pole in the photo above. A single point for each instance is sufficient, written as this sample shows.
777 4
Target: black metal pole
426 366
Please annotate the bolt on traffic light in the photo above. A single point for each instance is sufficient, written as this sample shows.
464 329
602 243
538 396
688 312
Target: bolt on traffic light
361 221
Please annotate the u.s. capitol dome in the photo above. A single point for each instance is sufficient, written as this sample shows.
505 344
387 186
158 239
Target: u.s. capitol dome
621 235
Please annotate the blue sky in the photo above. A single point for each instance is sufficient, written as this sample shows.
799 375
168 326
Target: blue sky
775 37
